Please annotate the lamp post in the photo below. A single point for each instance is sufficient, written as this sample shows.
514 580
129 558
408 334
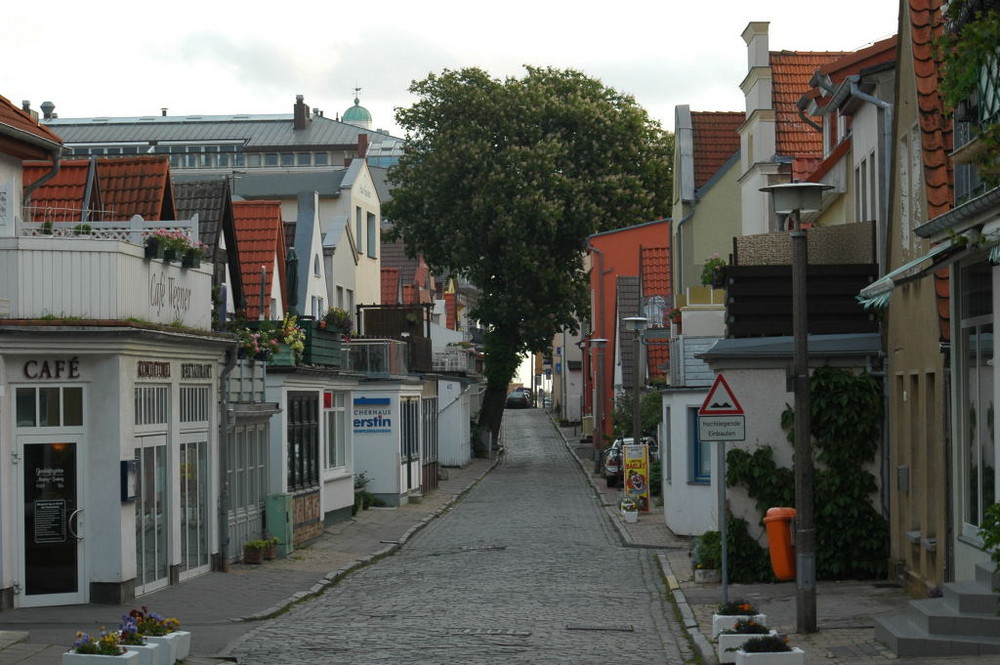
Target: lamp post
636 324
597 344
794 199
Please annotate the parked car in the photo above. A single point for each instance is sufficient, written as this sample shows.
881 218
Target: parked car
613 462
518 400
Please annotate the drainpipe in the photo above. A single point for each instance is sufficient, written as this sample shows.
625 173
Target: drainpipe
884 159
29 190
225 428
678 248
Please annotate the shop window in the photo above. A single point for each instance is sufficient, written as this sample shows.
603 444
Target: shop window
409 443
701 452
49 406
336 432
430 429
303 439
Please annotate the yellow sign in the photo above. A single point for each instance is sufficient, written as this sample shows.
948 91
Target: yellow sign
636 480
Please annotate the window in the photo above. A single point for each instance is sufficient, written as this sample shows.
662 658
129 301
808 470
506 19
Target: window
288 159
303 439
195 402
340 298
49 406
151 405
975 385
303 159
253 161
372 233
336 431
270 159
316 265
409 442
357 229
701 453
430 432
321 159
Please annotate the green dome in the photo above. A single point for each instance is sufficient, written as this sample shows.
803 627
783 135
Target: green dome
357 113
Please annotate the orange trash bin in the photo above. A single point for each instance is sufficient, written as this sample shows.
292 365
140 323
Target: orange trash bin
778 522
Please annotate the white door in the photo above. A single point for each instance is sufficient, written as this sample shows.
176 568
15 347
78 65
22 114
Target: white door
152 516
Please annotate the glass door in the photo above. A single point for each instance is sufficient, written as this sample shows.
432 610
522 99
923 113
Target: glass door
51 526
194 508
151 515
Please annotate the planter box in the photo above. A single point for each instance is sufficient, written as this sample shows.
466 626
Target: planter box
148 653
73 658
721 622
173 646
794 657
283 357
253 555
729 643
631 516
322 346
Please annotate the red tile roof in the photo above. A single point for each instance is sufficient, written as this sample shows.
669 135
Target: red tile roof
926 24
390 286
655 266
62 199
853 63
128 186
21 136
716 139
790 75
260 235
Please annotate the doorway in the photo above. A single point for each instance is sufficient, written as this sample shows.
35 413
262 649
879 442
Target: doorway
52 527
151 515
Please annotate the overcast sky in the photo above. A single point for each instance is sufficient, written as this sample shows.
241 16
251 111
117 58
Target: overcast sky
118 58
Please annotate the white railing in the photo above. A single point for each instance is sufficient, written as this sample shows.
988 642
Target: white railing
134 230
376 357
454 360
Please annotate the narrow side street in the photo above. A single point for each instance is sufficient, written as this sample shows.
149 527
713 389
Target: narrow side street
525 569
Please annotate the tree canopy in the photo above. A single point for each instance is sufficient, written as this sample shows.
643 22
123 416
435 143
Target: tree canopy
502 181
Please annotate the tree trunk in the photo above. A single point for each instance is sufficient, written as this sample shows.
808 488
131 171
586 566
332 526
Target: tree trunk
491 414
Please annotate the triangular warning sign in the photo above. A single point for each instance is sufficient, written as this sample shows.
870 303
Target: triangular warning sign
720 400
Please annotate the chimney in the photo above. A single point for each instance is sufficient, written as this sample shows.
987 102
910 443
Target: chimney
47 110
301 113
163 111
755 36
26 105
757 85
362 145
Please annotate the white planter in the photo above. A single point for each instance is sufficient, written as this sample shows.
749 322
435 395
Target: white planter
794 657
173 646
730 642
707 575
721 622
631 516
148 653
73 658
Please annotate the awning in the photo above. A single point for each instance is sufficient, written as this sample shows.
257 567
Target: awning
876 295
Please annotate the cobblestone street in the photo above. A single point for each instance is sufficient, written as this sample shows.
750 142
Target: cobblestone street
525 569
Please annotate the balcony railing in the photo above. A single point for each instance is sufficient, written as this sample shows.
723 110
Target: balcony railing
455 360
377 357
246 382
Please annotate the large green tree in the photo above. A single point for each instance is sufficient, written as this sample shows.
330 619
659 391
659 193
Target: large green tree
502 181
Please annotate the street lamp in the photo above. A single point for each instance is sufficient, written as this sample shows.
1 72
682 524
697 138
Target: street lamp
636 324
597 344
794 199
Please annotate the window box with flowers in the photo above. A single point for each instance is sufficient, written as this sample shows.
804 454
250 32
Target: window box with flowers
728 613
258 340
132 640
337 320
173 246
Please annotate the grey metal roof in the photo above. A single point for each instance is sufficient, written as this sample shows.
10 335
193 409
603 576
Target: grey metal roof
252 185
254 132
848 344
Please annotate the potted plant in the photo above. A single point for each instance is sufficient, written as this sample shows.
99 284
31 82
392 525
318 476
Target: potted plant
132 640
769 650
726 613
337 320
82 230
98 648
259 343
253 551
174 643
293 337
168 245
630 509
193 255
705 557
731 639
713 273
271 549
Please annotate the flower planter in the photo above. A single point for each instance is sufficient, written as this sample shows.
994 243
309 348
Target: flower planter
631 516
73 658
729 643
270 552
173 646
148 653
794 657
721 622
283 357
253 555
707 576
169 255
324 345
191 259
153 249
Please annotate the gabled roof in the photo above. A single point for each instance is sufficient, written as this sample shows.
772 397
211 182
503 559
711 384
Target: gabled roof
71 195
128 186
22 137
716 140
390 286
791 72
265 185
654 264
260 235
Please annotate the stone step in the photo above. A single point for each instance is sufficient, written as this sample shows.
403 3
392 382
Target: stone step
972 596
904 637
988 574
939 616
